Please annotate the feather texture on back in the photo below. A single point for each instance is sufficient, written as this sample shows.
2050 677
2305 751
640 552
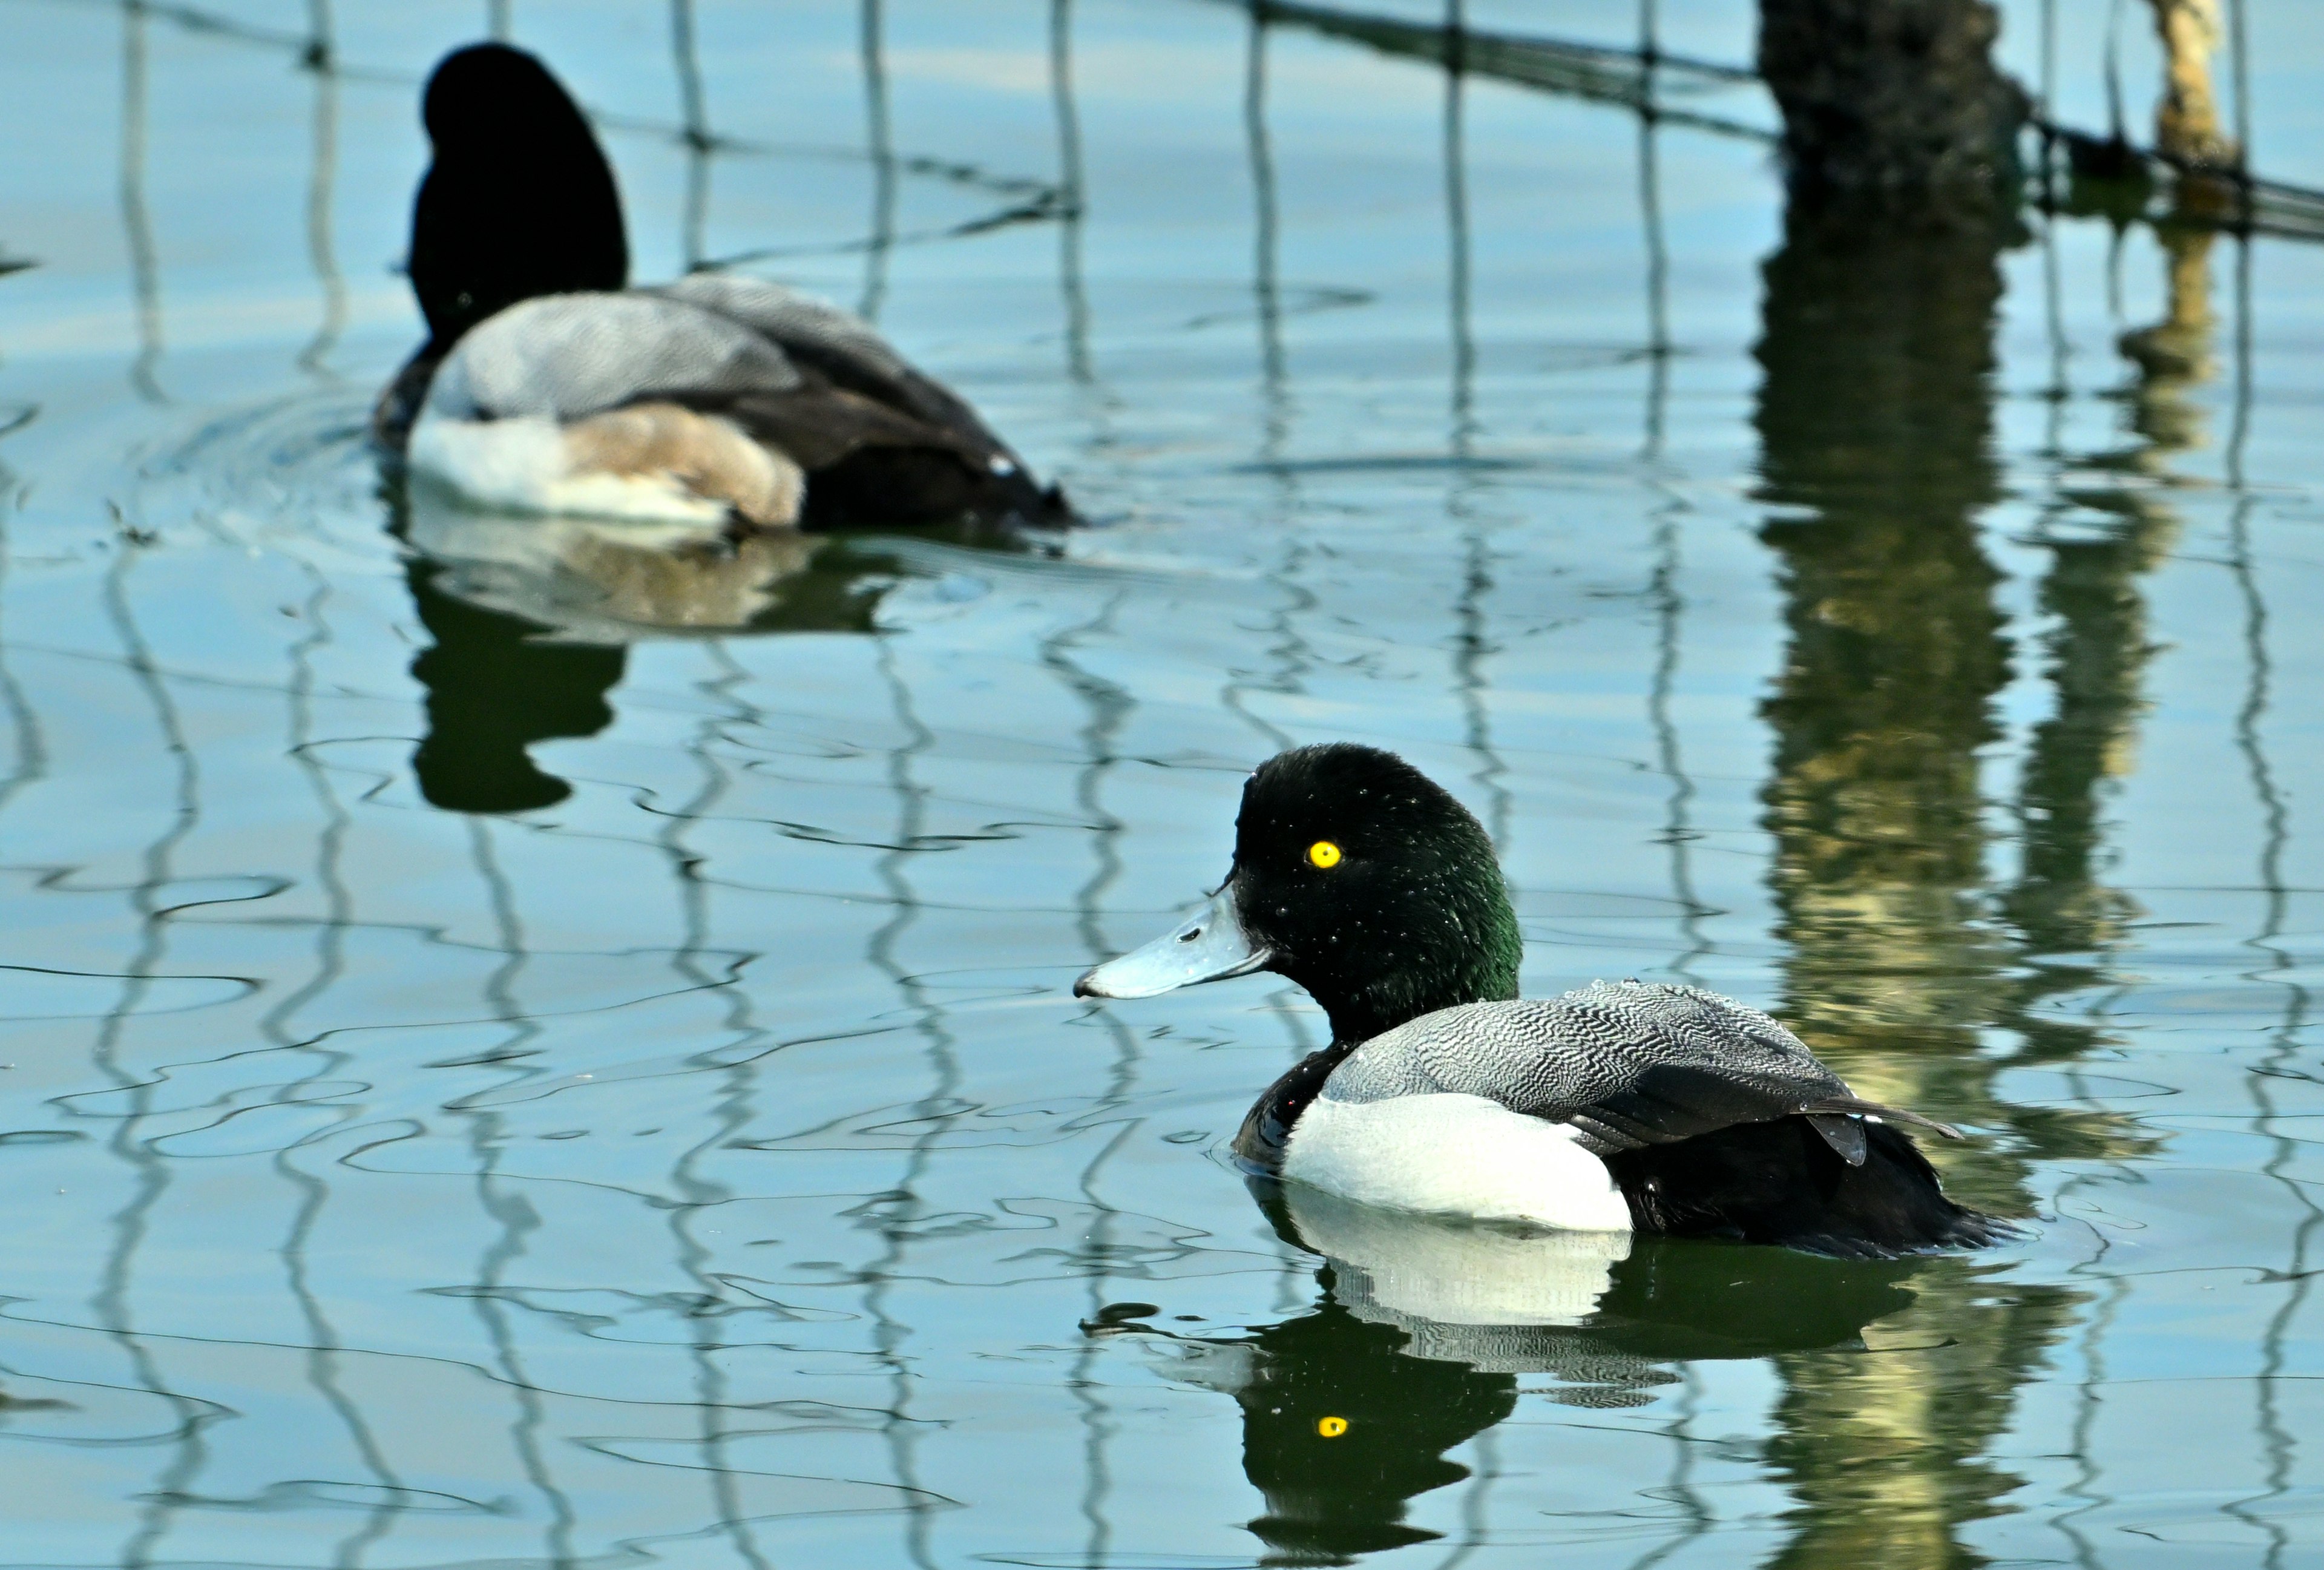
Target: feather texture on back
1628 1064
565 356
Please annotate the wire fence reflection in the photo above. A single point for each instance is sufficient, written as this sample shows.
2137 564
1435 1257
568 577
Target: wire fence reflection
2058 933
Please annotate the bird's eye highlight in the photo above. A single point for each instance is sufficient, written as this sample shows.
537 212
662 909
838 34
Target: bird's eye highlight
1323 854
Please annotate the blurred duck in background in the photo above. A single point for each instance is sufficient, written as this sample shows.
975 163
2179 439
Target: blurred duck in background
548 386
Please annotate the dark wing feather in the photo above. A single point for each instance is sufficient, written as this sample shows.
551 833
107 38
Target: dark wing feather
820 425
858 367
869 463
1627 1064
1856 1106
1777 1183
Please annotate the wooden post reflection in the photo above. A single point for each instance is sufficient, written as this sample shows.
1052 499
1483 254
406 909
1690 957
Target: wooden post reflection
1876 421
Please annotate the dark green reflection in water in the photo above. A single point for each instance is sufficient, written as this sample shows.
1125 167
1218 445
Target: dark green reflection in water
528 650
495 689
1336 1492
1348 1409
531 619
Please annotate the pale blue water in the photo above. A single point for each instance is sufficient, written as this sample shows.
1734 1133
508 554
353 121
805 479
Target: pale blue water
709 1167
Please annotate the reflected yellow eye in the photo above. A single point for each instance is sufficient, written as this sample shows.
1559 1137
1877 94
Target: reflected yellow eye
1331 1428
1324 853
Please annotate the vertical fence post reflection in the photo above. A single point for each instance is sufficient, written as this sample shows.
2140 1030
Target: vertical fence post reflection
1678 833
1476 1501
1274 389
508 1207
1650 209
187 1452
878 145
323 1343
1288 652
694 111
28 760
1670 612
2117 123
321 60
2053 317
2281 966
2239 427
136 220
2237 36
734 1109
1681 1488
902 1205
1472 637
1670 605
1456 228
1071 196
2089 1405
1107 706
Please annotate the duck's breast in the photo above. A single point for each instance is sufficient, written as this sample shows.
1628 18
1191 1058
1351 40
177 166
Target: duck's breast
1450 1154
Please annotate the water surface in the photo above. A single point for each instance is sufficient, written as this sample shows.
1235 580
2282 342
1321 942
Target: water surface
516 1063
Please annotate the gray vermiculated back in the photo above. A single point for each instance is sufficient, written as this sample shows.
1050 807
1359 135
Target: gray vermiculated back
840 345
792 320
1628 1063
565 356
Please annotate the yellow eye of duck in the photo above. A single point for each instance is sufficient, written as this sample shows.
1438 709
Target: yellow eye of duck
1332 1428
1323 854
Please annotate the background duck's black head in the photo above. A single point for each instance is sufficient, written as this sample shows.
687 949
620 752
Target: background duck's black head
1410 914
519 201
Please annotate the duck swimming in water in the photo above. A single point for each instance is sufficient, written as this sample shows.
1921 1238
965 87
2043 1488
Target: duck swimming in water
1623 1106
548 385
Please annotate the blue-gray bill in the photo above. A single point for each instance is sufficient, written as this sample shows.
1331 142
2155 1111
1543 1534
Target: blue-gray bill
1209 947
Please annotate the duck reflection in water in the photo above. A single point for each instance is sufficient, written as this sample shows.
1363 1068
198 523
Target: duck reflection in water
531 619
1424 1326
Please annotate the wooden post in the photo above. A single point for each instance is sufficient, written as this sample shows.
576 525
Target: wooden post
2187 122
1894 95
